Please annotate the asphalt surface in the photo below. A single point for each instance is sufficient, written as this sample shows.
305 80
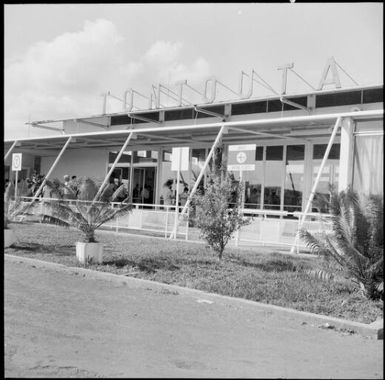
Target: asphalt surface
61 324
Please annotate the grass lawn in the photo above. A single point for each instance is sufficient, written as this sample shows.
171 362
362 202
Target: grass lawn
262 274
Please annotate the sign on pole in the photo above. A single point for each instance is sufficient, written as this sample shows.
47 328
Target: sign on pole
16 166
180 159
241 157
16 161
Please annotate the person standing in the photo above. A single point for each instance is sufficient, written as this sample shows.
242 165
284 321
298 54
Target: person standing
183 197
169 196
67 192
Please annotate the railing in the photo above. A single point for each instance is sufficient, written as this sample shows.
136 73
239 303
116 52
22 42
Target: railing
155 218
267 227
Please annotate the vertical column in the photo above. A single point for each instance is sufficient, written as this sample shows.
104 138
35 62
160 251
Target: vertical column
346 154
308 173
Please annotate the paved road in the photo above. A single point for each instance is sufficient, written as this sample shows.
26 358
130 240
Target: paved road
60 324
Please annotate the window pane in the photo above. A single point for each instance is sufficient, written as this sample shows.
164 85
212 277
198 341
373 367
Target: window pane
294 181
329 177
273 177
253 181
320 149
274 153
142 156
198 157
259 153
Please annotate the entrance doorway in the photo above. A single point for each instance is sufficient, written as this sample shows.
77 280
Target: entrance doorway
144 182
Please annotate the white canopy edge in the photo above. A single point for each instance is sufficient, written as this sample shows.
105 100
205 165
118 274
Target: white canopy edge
244 123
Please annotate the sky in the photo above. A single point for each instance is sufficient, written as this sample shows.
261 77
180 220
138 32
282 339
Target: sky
61 58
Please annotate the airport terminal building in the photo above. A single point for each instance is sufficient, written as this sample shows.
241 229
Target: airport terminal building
274 144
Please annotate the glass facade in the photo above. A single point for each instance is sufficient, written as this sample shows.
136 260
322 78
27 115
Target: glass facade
253 181
294 180
274 173
329 177
278 182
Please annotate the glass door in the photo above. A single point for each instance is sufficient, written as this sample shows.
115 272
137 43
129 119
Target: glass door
144 182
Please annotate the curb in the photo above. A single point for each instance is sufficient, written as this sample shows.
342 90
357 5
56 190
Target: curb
374 329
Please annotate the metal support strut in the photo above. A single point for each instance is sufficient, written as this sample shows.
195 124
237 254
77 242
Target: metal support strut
112 167
202 172
313 190
10 150
51 170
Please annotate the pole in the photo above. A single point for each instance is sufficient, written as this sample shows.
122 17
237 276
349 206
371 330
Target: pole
112 167
16 180
311 197
177 197
242 205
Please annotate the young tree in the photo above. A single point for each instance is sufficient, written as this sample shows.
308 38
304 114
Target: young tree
356 240
217 210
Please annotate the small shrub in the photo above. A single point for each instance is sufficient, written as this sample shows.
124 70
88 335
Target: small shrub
217 210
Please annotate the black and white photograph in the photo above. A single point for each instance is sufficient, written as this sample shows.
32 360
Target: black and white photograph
193 190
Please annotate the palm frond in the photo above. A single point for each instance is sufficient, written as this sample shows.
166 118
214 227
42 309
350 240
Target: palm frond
120 191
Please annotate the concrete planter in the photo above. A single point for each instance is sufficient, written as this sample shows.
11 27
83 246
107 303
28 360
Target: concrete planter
88 253
9 238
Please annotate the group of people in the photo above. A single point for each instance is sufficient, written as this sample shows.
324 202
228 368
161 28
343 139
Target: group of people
70 190
142 194
27 187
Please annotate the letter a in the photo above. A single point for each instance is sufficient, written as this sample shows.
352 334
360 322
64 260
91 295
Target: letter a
330 65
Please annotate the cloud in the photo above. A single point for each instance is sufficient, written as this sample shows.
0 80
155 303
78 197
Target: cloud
71 62
66 76
163 52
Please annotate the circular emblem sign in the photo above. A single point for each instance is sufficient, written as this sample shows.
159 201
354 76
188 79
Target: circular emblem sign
241 157
16 161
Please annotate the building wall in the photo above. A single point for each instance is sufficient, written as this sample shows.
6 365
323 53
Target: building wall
85 162
27 164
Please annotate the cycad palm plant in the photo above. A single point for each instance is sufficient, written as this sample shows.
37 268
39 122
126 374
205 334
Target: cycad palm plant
13 208
356 240
86 213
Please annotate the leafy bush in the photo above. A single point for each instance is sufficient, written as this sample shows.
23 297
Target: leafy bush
217 210
356 240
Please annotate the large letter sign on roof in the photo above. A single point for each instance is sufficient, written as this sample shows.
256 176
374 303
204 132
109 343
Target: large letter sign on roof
241 157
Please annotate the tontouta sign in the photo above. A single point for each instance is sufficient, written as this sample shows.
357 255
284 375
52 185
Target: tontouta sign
241 157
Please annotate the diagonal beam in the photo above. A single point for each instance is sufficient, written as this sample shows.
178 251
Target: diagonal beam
36 125
293 104
142 118
10 150
112 167
91 123
211 113
196 184
51 170
267 134
163 137
311 197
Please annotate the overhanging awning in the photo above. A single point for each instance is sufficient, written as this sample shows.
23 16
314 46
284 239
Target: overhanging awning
295 128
